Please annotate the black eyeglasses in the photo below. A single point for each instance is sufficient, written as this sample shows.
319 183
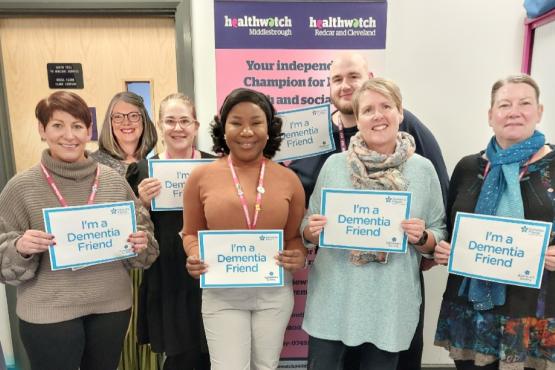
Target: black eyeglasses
131 117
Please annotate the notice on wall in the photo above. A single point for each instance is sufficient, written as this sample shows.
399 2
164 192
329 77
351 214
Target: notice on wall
65 75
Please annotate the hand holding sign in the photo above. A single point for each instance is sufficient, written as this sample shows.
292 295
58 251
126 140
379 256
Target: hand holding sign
196 267
442 252
291 260
316 223
148 189
139 241
33 242
413 227
550 258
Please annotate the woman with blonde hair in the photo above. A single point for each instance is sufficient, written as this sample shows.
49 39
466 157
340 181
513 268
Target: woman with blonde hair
169 315
353 301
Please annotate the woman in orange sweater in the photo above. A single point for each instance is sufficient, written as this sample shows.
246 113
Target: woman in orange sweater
245 190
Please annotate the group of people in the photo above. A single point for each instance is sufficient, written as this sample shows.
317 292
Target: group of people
364 310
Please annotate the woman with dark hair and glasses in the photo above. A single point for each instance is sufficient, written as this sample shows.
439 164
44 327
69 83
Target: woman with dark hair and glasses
127 136
169 315
69 319
245 326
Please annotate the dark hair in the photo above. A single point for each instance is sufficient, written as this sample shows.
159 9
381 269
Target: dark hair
247 95
64 101
107 141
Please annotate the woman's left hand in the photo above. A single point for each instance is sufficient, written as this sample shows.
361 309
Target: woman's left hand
550 258
291 260
139 241
414 228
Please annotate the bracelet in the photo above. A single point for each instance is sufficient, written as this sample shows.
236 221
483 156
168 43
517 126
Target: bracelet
423 239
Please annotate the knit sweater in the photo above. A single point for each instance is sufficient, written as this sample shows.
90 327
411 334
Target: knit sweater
46 296
371 303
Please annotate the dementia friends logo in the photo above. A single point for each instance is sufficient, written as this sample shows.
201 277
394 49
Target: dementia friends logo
396 200
536 231
271 276
268 237
270 26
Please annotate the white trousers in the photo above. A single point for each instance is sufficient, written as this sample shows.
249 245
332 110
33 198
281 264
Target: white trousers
245 326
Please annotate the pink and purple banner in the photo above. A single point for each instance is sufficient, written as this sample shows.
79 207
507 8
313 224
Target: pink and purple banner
285 49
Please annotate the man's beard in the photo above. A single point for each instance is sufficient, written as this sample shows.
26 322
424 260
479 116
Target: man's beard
346 109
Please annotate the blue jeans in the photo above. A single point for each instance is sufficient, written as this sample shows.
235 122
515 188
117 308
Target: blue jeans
329 354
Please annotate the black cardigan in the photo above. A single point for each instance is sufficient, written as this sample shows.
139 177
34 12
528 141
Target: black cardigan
169 315
464 189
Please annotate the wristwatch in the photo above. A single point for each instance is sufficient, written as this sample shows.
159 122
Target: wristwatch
423 239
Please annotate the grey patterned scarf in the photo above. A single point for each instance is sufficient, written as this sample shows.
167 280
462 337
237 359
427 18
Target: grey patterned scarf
371 170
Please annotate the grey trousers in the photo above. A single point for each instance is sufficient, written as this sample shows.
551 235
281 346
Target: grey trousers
245 326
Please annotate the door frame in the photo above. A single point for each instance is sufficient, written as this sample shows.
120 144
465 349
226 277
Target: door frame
180 10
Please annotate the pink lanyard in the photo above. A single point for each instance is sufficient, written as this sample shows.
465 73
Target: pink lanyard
341 134
56 191
522 172
192 154
259 191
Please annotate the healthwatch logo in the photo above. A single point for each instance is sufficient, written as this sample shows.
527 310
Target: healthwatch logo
253 21
339 22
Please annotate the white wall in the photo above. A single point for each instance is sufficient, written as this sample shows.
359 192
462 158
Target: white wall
543 60
445 55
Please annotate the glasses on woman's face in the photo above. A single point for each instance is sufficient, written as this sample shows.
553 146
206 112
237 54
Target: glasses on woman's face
132 117
185 123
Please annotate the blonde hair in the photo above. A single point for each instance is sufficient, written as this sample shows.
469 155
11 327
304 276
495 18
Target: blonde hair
107 141
515 79
381 86
179 97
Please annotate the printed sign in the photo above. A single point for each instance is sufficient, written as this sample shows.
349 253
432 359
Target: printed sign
499 249
367 220
241 258
91 234
306 132
65 75
172 173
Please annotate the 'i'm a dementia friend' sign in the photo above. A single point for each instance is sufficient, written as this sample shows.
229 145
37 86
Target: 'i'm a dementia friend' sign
365 220
90 234
173 174
499 249
240 258
306 132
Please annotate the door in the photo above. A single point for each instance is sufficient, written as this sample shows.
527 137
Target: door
111 50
